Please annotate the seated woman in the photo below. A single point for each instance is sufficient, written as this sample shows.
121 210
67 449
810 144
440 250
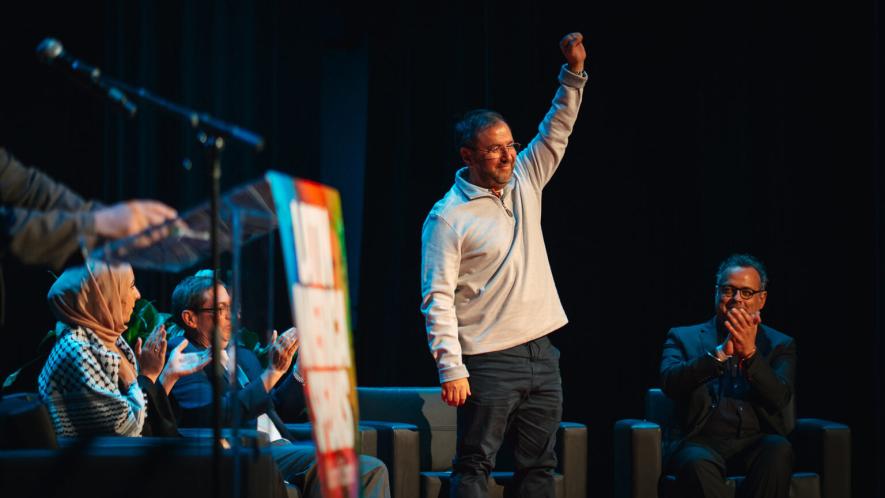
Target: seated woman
90 382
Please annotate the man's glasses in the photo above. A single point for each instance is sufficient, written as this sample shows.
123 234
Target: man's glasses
496 151
223 310
728 291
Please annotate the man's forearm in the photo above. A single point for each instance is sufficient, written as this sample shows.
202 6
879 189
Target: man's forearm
546 150
773 388
269 378
446 351
679 378
49 238
441 322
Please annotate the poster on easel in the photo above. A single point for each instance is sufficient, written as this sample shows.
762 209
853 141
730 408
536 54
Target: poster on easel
312 236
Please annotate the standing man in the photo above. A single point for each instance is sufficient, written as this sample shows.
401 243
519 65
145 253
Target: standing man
731 380
488 294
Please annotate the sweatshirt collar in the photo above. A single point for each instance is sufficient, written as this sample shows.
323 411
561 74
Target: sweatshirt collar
474 191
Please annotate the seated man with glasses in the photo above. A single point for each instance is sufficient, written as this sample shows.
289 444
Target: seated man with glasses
261 391
731 378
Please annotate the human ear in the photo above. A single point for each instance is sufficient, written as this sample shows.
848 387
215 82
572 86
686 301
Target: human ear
189 318
466 155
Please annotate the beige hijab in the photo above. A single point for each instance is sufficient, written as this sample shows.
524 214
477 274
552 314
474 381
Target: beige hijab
97 296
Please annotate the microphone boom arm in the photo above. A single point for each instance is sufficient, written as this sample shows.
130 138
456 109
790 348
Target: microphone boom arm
201 121
51 52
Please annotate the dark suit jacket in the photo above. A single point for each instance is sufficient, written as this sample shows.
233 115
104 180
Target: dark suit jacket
193 394
689 375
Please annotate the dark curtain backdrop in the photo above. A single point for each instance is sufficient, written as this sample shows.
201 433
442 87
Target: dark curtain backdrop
706 129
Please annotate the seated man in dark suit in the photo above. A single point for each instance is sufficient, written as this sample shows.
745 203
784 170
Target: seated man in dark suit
731 378
262 390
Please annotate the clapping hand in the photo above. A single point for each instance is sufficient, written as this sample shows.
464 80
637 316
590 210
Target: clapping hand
182 364
282 349
152 355
742 327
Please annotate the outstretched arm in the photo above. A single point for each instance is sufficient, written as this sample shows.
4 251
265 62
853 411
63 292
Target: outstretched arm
543 154
44 222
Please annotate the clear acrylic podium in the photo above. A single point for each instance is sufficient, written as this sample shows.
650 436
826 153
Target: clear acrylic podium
245 213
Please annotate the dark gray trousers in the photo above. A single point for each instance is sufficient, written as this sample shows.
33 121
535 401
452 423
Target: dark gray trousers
515 392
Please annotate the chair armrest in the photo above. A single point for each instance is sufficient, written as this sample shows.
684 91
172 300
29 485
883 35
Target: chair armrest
368 436
247 437
824 447
140 465
637 458
571 455
25 422
398 448
301 431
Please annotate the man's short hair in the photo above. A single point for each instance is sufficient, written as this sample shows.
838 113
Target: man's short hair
742 261
188 294
472 123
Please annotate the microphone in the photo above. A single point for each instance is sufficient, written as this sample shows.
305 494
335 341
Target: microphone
51 52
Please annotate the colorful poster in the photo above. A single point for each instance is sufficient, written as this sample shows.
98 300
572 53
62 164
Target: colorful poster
312 235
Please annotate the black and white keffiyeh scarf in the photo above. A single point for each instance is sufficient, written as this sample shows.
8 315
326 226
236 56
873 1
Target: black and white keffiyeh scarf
80 386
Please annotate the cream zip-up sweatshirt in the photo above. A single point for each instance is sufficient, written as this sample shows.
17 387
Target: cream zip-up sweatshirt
486 282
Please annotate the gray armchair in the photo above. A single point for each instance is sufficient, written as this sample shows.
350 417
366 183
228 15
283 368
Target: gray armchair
822 449
393 443
33 462
429 462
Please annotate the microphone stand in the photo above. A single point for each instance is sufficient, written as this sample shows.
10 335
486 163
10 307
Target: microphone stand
202 122
211 133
